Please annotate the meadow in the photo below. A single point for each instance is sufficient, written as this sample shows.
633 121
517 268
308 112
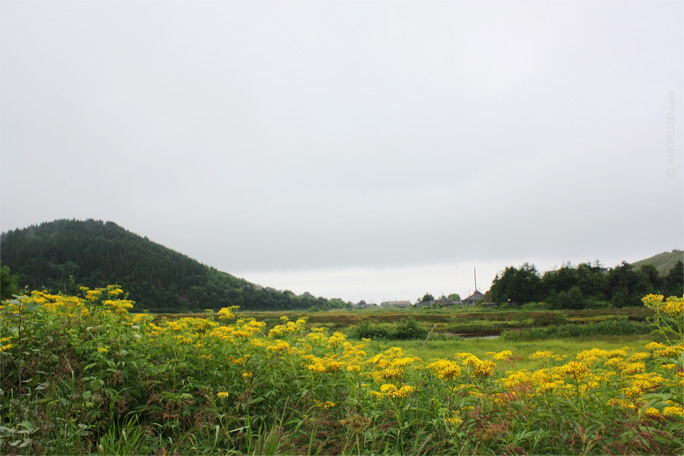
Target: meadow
82 375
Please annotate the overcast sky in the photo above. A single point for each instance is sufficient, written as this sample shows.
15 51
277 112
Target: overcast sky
356 149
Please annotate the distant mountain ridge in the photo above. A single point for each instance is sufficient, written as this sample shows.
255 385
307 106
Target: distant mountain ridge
65 254
663 262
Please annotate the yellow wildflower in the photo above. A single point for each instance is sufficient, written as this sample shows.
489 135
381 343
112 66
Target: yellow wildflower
624 403
503 355
472 360
652 412
392 391
576 369
674 411
226 313
541 355
639 356
654 346
279 346
484 368
445 369
324 405
454 421
634 368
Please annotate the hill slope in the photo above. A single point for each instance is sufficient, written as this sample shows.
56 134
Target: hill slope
65 254
663 262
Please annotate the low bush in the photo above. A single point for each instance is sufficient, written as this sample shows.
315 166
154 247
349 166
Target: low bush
368 330
408 328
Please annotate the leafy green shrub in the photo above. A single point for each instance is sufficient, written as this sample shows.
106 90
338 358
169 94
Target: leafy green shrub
368 330
408 329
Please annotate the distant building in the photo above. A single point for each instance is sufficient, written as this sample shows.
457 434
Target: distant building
425 303
473 298
444 302
399 304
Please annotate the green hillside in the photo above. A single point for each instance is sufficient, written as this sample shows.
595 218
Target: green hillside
65 254
663 262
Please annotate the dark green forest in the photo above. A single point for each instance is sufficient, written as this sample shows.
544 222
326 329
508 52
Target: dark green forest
586 285
63 255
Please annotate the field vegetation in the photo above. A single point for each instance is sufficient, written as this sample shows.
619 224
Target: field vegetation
82 375
465 321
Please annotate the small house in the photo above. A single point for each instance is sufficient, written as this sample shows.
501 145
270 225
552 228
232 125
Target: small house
474 298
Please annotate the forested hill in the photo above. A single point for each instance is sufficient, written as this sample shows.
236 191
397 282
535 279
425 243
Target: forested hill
65 254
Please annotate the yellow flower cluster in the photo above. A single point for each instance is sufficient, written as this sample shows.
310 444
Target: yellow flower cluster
288 327
241 329
541 355
392 391
675 411
93 295
279 346
503 355
484 368
445 369
673 306
324 365
575 369
634 368
119 306
323 405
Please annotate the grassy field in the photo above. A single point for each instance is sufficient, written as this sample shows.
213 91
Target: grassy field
521 351
466 321
81 375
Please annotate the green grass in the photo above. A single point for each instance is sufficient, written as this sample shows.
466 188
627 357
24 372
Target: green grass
445 348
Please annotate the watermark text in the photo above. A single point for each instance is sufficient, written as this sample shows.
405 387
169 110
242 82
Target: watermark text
671 140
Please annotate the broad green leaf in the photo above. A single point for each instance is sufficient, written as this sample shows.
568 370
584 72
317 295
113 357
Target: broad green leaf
32 306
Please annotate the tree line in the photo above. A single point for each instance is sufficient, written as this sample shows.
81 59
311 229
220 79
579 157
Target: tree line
585 285
63 255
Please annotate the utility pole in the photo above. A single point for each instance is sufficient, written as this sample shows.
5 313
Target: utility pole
475 275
